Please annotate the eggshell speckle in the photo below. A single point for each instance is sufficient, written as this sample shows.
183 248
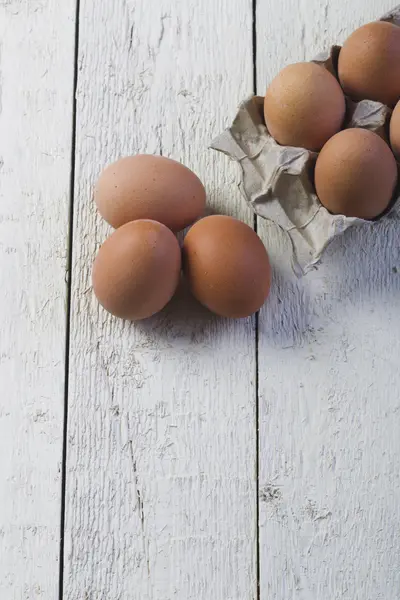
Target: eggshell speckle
227 266
304 106
149 187
356 174
137 270
369 63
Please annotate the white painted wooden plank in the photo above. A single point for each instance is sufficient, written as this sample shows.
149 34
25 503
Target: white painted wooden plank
36 100
329 379
161 491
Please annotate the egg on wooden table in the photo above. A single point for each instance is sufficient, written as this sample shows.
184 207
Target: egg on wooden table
356 174
304 106
369 63
149 187
137 270
227 266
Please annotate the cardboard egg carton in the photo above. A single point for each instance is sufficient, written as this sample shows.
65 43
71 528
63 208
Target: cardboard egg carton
276 180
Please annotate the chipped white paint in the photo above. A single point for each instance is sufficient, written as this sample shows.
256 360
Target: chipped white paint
36 81
161 490
329 379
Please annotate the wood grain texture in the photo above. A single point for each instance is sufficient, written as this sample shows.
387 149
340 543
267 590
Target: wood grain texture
36 46
161 464
329 378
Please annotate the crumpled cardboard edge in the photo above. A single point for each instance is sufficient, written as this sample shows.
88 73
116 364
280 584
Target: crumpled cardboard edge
276 181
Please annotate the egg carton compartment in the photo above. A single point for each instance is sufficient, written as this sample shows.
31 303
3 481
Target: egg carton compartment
277 181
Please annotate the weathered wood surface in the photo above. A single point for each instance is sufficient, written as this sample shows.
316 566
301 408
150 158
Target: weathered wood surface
162 459
36 98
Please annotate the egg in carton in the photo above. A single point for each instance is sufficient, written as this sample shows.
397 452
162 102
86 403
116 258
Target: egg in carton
277 181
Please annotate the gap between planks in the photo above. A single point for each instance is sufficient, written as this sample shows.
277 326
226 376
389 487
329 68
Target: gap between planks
256 327
68 304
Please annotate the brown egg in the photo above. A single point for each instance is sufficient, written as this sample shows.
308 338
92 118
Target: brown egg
137 270
150 187
304 106
395 131
227 266
369 63
356 174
